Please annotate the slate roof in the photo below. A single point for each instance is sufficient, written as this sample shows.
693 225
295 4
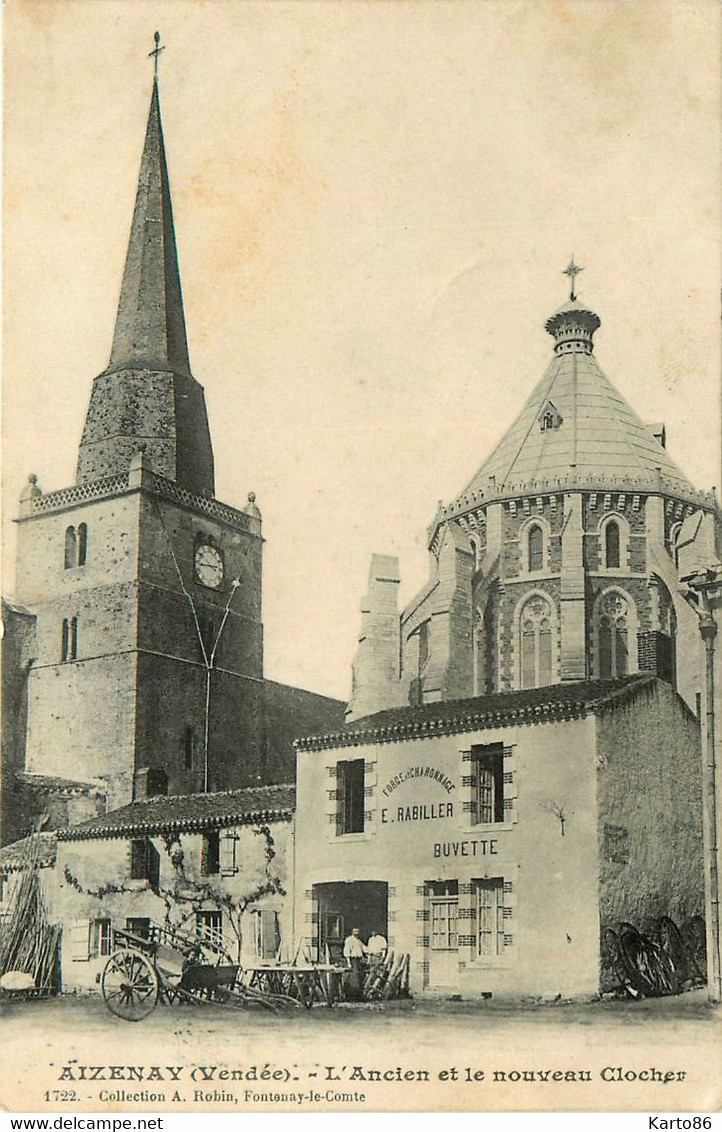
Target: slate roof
533 705
188 812
38 847
600 437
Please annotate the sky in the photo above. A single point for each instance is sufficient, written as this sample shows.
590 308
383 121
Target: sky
374 203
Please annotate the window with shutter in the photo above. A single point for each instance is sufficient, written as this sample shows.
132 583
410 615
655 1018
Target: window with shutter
489 917
268 935
488 763
101 938
78 943
227 854
350 776
210 854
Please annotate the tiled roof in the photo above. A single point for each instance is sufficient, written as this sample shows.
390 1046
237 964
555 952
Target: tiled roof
47 782
38 849
600 435
188 812
534 705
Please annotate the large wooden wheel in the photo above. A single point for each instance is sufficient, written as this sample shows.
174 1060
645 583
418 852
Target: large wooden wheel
130 985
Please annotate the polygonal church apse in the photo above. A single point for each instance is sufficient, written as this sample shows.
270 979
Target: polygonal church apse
558 561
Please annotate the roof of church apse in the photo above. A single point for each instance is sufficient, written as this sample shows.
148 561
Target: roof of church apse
553 703
576 429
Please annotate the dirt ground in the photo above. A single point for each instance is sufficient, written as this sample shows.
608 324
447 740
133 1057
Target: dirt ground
655 1054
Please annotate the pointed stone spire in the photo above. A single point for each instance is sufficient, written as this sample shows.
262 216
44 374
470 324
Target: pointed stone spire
150 330
147 396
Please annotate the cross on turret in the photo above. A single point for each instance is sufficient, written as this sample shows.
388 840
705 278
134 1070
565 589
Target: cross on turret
572 271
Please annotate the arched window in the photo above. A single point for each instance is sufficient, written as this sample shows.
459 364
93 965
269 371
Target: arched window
535 548
82 544
611 545
613 633
73 649
70 548
536 645
64 639
189 742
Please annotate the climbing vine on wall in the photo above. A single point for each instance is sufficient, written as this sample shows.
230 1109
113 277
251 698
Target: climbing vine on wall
185 896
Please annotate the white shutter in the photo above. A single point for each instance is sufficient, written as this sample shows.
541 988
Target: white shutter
227 854
79 940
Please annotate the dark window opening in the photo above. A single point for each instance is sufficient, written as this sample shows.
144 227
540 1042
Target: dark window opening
488 763
70 548
536 548
82 544
350 778
189 743
207 627
73 649
210 854
144 861
138 925
209 929
611 545
65 639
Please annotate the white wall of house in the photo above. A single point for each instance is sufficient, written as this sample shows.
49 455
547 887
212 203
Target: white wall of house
422 836
96 891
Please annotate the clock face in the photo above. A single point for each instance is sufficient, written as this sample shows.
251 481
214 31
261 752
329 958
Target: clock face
209 566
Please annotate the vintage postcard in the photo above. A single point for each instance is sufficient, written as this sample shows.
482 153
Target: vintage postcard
362 568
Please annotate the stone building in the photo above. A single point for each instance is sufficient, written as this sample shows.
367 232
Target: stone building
521 766
494 838
216 867
556 563
134 649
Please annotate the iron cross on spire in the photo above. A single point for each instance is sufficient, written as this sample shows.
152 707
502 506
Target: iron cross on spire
572 271
155 53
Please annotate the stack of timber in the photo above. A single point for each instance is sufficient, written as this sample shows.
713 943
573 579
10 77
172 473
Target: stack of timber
28 942
389 978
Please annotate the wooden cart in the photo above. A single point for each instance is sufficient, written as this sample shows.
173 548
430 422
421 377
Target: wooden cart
165 966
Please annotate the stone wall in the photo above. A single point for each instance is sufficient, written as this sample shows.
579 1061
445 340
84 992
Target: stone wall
650 810
292 713
93 882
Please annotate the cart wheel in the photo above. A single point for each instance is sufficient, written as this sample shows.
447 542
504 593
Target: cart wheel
130 985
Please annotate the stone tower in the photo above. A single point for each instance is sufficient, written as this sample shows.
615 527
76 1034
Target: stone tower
146 590
558 562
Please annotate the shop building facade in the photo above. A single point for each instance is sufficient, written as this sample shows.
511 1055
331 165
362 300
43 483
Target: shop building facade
492 839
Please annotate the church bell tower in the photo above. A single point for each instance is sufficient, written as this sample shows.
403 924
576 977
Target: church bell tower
146 589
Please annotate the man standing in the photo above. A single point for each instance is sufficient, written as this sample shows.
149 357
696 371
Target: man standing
354 950
377 947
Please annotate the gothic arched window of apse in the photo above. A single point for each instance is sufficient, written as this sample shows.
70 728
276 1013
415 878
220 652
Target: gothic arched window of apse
611 545
535 548
536 626
614 619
